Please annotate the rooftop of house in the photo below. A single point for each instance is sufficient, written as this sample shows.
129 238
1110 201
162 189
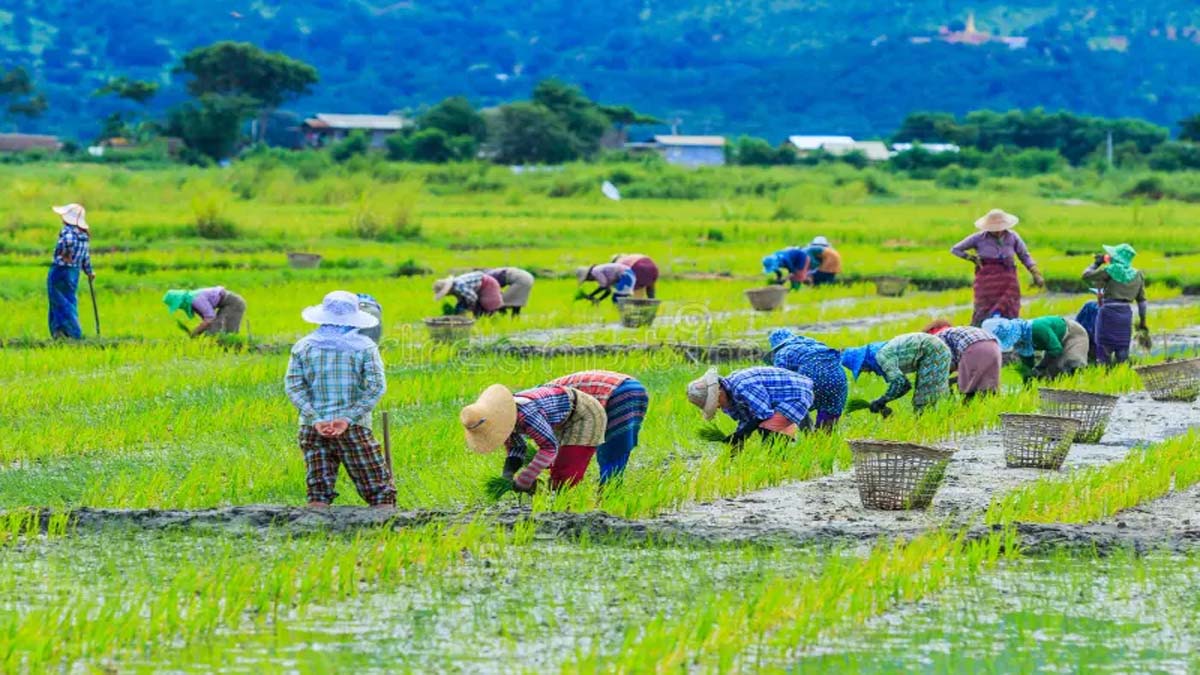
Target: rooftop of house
817 142
369 122
23 142
692 141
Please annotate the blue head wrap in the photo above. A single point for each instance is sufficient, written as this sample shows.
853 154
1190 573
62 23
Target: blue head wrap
1008 332
771 263
857 358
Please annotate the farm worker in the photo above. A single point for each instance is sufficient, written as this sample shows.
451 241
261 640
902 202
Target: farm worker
71 254
826 259
793 259
1120 284
771 400
565 424
920 353
335 378
625 401
997 289
367 303
974 355
818 362
614 279
516 285
220 310
1063 342
645 272
476 293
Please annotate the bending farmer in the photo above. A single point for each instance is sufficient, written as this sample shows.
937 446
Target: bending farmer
794 260
516 285
1063 343
921 354
821 364
773 401
625 401
475 292
71 254
974 355
220 310
645 272
335 378
612 279
826 260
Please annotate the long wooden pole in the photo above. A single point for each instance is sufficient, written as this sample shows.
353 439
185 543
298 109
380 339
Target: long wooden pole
95 309
387 443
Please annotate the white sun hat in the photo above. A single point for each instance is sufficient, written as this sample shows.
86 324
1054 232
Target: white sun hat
704 393
339 308
73 214
820 241
997 220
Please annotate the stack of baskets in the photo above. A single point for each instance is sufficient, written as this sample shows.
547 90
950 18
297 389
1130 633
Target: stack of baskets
637 312
1092 410
1173 380
894 476
450 329
303 261
892 287
768 298
1037 441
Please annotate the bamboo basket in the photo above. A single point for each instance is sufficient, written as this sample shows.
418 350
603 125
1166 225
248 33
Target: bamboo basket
891 287
1037 441
1092 410
720 352
896 476
637 312
303 261
1173 380
768 298
449 329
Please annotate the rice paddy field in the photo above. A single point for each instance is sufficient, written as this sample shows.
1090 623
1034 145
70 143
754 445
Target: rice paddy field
151 487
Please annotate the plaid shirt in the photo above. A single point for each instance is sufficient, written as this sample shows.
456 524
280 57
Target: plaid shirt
326 385
958 338
539 410
903 354
466 288
599 384
756 394
73 249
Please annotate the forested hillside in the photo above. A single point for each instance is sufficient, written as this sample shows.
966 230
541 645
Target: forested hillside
767 68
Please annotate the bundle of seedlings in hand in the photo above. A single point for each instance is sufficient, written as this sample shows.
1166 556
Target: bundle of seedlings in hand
712 433
448 309
183 326
580 295
856 404
1143 339
496 487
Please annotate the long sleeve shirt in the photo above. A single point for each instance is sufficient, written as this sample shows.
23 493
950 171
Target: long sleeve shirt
73 249
905 354
205 301
756 394
599 384
1046 335
608 274
539 411
990 248
328 384
466 288
1130 291
793 259
958 338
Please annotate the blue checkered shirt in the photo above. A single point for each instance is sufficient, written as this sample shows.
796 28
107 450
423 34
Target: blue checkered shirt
756 394
327 384
73 249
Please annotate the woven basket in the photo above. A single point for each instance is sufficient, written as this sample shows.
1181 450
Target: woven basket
449 329
768 298
303 261
637 312
1037 441
1173 380
892 287
1092 410
896 476
719 352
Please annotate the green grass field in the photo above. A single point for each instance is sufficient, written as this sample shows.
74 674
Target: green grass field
145 417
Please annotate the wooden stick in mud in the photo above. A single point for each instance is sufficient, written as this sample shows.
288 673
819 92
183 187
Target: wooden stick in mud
387 442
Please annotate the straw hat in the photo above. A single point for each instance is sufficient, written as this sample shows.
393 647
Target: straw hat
820 241
997 220
442 287
489 421
705 393
583 273
73 214
339 308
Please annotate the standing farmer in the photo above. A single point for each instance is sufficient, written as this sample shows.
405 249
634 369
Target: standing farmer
794 260
565 424
1120 284
220 310
645 272
919 353
826 260
516 285
476 293
335 378
70 255
625 401
974 355
818 362
773 401
996 246
613 279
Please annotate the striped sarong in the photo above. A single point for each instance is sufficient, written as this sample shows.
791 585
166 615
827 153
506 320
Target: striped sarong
626 409
997 291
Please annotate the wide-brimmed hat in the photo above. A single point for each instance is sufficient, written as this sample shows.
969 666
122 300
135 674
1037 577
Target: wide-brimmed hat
73 214
820 241
582 274
705 393
442 287
1121 253
997 220
339 308
489 421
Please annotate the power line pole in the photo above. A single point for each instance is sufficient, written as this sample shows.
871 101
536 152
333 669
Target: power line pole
1109 149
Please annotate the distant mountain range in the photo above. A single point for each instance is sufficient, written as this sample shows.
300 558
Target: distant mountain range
761 67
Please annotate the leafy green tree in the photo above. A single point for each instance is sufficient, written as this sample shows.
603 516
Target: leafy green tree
354 144
755 151
19 94
622 116
456 117
530 133
211 125
138 91
583 119
928 127
242 70
1189 128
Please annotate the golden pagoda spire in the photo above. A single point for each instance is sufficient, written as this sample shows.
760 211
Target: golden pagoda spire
970 30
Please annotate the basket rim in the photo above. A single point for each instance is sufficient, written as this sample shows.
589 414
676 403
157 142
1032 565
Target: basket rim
639 301
449 321
1167 365
303 254
1095 396
778 290
868 445
892 278
1039 416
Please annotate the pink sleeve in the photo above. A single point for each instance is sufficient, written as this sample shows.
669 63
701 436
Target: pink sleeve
970 243
1022 252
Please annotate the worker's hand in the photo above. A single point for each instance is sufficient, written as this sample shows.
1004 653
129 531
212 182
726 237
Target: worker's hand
530 490
1142 326
1099 259
335 428
1038 280
974 260
878 405
91 276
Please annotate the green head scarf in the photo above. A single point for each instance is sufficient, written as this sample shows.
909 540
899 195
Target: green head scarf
177 298
1120 266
